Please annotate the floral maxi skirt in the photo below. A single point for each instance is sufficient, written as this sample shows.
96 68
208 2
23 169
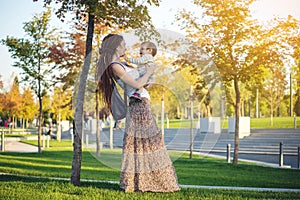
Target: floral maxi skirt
146 165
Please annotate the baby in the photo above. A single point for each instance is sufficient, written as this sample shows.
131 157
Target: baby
147 51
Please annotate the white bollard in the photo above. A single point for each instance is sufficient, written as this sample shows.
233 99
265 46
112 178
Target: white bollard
48 141
87 140
2 141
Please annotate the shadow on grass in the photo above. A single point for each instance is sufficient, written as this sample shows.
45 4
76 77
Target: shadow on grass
21 187
196 171
100 185
54 164
208 171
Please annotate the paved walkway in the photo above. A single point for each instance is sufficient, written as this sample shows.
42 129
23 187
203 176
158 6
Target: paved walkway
17 146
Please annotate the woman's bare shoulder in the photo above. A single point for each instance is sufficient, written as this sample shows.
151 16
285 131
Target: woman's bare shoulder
118 68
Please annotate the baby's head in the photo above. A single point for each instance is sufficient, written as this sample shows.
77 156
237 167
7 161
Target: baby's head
148 48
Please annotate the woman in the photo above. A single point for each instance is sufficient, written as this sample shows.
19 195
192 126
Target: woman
146 165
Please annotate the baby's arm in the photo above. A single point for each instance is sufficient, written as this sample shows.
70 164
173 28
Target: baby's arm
147 58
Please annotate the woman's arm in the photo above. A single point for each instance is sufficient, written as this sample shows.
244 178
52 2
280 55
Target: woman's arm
120 72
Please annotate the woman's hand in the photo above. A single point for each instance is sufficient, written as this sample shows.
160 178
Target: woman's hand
150 68
125 58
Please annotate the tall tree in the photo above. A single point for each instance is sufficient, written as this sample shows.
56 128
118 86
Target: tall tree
286 31
200 67
31 56
2 95
61 107
124 13
29 108
68 57
273 88
296 73
13 102
239 48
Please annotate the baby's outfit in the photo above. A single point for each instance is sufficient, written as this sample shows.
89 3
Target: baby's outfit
141 63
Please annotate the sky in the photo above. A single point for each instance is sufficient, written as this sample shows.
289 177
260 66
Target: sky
13 13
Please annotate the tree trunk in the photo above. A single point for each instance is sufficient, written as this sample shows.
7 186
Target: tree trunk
97 125
13 122
271 115
208 111
162 115
191 126
256 107
40 121
237 122
40 117
58 127
78 121
23 125
242 108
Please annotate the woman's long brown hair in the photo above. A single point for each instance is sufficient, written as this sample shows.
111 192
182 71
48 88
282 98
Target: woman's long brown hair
104 72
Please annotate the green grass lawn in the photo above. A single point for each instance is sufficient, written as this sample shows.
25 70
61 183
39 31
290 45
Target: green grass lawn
19 130
198 171
15 187
16 135
57 160
278 122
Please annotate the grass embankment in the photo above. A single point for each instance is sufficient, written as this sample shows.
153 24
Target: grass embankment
255 123
57 161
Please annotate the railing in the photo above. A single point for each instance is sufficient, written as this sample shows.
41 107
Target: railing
280 154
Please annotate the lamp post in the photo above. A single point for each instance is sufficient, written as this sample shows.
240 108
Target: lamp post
162 120
291 96
191 124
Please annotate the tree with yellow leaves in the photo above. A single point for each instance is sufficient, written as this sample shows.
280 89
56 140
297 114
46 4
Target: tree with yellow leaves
238 46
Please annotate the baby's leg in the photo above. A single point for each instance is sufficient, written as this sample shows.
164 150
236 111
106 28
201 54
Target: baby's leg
137 94
139 90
